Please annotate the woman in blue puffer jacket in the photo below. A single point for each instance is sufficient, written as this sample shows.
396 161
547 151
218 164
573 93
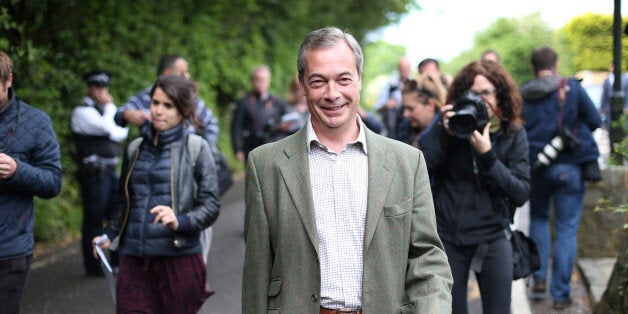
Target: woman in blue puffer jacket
168 198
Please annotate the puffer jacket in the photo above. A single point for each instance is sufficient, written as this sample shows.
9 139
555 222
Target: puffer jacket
146 182
475 195
26 134
541 115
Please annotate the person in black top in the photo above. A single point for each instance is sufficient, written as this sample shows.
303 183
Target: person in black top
257 117
478 180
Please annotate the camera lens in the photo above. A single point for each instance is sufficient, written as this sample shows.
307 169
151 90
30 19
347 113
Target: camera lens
470 115
463 123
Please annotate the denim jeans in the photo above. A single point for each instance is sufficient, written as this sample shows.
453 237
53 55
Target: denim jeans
563 183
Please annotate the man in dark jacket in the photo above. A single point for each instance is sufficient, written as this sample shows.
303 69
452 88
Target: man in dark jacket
257 115
557 110
29 166
607 93
136 110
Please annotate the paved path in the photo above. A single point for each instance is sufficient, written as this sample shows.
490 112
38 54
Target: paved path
57 283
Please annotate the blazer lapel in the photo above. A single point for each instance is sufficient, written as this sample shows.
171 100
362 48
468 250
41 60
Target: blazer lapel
295 171
379 183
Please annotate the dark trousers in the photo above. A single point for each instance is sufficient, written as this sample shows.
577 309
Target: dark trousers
13 275
495 280
99 188
251 143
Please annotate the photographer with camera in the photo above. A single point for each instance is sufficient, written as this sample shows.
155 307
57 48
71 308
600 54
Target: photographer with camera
560 118
477 157
389 100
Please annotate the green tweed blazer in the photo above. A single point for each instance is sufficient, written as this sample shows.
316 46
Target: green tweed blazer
405 267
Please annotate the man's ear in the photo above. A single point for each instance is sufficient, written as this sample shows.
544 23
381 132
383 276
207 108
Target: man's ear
432 103
9 81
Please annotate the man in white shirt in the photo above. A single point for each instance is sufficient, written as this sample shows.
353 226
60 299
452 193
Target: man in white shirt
97 139
389 100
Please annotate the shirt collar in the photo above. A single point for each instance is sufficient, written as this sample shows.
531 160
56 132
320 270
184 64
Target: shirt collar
312 137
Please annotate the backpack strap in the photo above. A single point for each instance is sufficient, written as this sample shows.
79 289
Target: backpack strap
194 147
563 88
193 143
561 99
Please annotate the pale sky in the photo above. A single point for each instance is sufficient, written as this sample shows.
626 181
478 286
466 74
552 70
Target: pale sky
445 28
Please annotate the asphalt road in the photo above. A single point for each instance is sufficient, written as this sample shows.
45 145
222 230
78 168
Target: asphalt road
57 283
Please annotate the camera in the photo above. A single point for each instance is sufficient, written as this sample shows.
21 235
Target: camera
392 88
471 115
564 140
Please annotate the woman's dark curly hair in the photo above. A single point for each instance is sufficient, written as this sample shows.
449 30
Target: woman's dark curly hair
182 92
508 96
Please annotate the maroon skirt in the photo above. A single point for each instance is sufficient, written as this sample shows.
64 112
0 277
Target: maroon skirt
161 284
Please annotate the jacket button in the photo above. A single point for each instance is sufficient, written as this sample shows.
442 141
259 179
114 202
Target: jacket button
314 298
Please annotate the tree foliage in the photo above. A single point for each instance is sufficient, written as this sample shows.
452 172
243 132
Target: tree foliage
514 39
590 38
584 43
54 42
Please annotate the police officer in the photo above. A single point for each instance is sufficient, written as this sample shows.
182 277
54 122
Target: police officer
97 139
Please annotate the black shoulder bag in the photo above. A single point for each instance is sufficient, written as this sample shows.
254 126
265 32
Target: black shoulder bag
525 255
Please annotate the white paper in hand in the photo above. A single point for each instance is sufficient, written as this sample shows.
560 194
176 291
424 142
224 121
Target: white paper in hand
108 272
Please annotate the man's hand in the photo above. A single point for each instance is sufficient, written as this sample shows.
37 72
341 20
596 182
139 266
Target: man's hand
102 96
103 242
391 103
136 117
240 156
8 167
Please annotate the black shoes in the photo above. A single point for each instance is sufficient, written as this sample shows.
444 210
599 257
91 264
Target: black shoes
561 305
95 273
539 286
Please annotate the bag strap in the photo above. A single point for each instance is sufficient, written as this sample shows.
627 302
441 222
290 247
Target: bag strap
563 86
194 147
193 143
561 96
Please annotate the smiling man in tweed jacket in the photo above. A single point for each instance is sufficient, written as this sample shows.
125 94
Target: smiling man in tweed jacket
338 217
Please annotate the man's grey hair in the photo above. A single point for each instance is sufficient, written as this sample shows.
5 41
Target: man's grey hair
326 38
260 67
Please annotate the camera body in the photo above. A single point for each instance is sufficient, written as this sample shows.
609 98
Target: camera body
392 88
471 115
564 140
268 133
